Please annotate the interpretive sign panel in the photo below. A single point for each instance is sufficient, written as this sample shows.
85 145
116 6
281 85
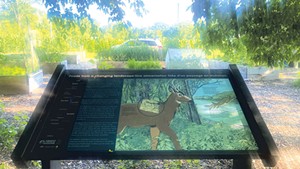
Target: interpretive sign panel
129 114
147 105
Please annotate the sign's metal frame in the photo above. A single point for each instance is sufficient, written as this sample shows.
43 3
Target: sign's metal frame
267 151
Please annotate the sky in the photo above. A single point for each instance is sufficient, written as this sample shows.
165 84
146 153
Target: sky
169 12
159 11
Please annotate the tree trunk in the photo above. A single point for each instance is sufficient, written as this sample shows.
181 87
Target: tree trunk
192 113
294 64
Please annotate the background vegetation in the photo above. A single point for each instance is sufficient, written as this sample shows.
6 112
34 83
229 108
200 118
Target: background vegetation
256 32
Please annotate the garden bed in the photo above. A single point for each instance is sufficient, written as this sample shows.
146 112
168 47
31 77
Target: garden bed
48 68
22 84
19 73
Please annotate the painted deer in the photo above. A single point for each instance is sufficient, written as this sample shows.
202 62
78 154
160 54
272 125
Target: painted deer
131 115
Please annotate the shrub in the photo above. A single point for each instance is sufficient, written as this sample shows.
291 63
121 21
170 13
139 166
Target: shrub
133 64
10 129
12 71
17 64
140 53
49 57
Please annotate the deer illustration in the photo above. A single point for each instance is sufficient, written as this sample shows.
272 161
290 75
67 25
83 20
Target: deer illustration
131 115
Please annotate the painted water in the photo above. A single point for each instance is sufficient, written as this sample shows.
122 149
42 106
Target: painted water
223 125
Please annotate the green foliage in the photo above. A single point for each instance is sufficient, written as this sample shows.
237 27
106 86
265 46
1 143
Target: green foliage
12 71
46 57
261 33
133 64
270 32
140 53
4 166
115 9
12 38
36 164
61 36
172 164
18 11
10 129
17 64
181 36
104 65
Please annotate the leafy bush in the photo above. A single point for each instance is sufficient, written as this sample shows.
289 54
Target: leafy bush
133 64
12 37
12 71
17 64
141 53
12 60
49 57
10 129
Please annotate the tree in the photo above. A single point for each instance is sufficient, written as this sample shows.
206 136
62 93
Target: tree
77 9
271 31
263 32
19 11
17 18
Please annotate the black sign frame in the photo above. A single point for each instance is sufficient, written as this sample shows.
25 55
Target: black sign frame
25 149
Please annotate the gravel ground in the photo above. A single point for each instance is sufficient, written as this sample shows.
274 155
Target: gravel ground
278 102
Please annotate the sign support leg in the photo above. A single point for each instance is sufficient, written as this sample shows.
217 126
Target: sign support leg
51 164
244 163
